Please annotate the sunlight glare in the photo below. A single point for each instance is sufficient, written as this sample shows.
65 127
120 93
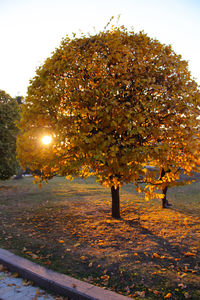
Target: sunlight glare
46 140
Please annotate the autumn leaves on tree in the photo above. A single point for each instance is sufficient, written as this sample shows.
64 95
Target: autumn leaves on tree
113 104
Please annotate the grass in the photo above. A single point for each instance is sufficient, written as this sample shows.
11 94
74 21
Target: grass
149 253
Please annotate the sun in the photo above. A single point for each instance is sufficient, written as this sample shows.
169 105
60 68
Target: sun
46 140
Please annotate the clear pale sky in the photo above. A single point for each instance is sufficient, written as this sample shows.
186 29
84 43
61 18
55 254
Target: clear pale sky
30 30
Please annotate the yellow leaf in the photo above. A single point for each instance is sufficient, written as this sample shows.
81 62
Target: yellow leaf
83 257
169 295
190 254
183 275
34 256
38 292
61 241
156 292
100 243
156 255
140 294
105 277
26 282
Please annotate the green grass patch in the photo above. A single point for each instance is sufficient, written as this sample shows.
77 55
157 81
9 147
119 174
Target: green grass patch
67 226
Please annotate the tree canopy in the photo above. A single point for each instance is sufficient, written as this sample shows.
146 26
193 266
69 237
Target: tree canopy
9 114
113 103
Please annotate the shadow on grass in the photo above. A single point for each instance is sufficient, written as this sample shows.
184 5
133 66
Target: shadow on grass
68 228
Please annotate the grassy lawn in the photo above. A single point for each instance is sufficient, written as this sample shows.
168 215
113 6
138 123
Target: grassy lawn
149 253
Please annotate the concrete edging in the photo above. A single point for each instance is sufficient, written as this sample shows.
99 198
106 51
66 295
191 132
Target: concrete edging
57 283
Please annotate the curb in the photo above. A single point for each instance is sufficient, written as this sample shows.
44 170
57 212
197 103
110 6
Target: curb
57 283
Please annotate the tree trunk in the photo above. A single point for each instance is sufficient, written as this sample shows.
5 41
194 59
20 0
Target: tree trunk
115 202
165 203
19 174
164 199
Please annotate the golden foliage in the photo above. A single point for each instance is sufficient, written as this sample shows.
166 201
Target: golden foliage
113 103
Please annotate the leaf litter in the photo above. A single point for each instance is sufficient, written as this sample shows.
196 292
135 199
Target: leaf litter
148 253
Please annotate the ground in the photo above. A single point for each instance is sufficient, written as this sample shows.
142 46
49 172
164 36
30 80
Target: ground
15 288
150 253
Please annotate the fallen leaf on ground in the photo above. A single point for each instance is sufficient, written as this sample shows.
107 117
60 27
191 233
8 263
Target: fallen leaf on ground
61 241
34 256
83 257
140 294
183 275
105 277
190 254
156 255
3 268
38 292
156 292
26 282
169 295
187 295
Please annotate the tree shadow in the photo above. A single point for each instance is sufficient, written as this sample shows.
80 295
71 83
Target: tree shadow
171 252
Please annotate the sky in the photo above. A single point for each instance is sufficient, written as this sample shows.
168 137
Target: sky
30 30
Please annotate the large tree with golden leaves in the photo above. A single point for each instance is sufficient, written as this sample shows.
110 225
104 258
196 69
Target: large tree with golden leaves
113 103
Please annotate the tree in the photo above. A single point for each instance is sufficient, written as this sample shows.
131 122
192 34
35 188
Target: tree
9 114
113 103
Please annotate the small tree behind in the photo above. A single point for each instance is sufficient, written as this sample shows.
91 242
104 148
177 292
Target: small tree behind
113 103
9 114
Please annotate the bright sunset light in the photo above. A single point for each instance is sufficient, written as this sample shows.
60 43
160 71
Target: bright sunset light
46 140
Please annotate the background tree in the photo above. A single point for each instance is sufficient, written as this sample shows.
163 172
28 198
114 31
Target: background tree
9 114
113 103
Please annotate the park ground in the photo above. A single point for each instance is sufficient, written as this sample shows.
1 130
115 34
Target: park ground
150 253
